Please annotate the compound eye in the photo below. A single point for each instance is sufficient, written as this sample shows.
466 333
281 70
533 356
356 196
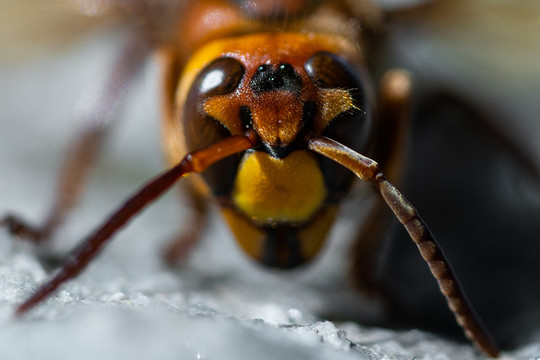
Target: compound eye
351 127
328 70
222 76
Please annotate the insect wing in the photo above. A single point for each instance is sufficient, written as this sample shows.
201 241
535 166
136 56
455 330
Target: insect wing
485 50
473 167
32 28
37 27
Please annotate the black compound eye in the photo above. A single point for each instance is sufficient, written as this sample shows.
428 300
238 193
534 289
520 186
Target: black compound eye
328 70
221 76
350 128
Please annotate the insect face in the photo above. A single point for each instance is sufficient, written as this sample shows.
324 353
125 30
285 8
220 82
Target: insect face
276 197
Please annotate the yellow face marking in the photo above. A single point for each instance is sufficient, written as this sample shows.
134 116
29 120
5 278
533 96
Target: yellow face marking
248 236
270 190
332 103
220 107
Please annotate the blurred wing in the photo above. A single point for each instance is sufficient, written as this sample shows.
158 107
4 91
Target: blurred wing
486 50
29 28
475 145
32 27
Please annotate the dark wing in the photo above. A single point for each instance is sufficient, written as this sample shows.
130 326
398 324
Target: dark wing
32 28
487 51
36 27
475 157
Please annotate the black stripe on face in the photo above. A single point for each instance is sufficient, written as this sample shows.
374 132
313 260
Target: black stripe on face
282 248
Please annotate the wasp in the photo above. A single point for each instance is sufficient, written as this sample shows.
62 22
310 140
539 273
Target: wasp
275 110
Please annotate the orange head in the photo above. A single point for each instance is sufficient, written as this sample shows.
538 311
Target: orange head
280 198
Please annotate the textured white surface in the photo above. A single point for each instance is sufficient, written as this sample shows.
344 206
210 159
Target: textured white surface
127 304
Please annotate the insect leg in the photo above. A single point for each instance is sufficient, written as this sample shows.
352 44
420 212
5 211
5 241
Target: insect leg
90 247
393 123
368 170
83 151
